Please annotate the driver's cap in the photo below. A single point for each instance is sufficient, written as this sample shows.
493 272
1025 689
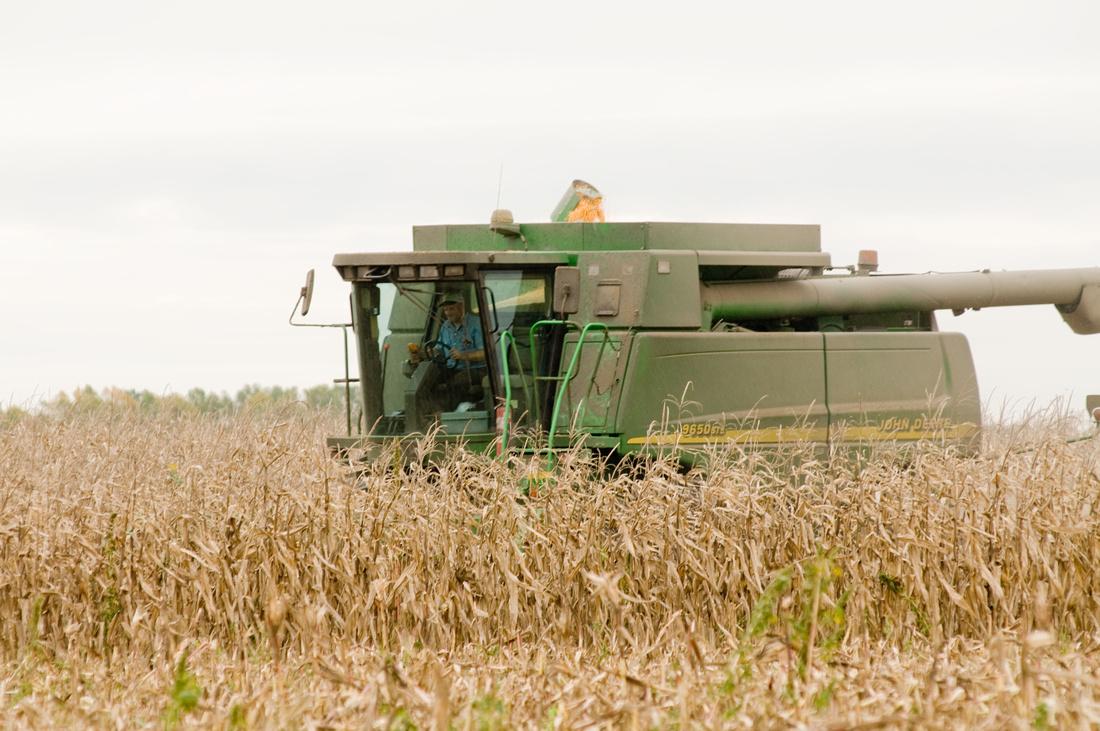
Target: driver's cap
451 297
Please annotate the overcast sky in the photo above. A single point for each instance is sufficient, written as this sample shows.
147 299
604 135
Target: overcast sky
168 172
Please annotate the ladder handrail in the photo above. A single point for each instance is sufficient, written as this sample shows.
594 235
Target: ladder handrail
506 373
570 373
535 359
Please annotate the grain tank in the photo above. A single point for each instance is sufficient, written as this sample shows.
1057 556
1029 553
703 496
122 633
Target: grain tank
627 337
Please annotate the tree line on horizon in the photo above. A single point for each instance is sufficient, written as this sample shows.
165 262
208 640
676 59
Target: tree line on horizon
86 399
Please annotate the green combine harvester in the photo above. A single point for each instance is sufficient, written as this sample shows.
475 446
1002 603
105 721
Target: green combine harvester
655 337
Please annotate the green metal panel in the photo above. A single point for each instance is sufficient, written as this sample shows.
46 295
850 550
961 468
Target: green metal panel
769 259
733 236
430 238
611 236
962 382
646 289
670 297
591 398
537 237
621 236
696 389
900 386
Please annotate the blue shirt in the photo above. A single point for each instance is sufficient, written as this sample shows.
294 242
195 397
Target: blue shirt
464 337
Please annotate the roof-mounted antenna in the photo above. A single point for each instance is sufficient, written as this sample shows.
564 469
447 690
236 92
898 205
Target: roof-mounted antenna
502 222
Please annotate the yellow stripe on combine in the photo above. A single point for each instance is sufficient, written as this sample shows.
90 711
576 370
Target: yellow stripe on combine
793 435
844 433
769 435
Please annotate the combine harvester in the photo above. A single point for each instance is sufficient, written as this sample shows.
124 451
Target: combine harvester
656 337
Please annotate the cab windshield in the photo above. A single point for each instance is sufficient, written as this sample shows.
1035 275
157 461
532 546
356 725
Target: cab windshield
432 367
432 347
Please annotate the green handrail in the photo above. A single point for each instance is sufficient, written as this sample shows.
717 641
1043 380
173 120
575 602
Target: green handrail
506 373
570 374
546 323
506 339
535 359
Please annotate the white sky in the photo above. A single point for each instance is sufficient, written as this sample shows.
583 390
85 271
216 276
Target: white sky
169 172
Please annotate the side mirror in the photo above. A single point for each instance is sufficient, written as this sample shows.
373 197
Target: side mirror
305 298
567 290
306 294
1092 403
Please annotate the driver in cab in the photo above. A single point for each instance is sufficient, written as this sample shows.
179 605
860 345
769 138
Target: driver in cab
460 341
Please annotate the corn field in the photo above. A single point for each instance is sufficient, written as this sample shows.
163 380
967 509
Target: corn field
221 571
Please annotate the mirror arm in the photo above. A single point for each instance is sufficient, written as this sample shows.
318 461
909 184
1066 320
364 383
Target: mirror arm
310 324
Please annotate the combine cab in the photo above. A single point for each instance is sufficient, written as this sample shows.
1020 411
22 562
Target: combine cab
627 337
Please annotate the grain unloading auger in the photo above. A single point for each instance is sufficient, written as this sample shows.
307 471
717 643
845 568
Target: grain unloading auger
628 337
1075 292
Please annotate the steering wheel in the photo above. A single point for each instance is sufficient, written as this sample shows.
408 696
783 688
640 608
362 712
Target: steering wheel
437 352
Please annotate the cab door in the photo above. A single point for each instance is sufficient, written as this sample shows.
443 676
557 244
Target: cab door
516 299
